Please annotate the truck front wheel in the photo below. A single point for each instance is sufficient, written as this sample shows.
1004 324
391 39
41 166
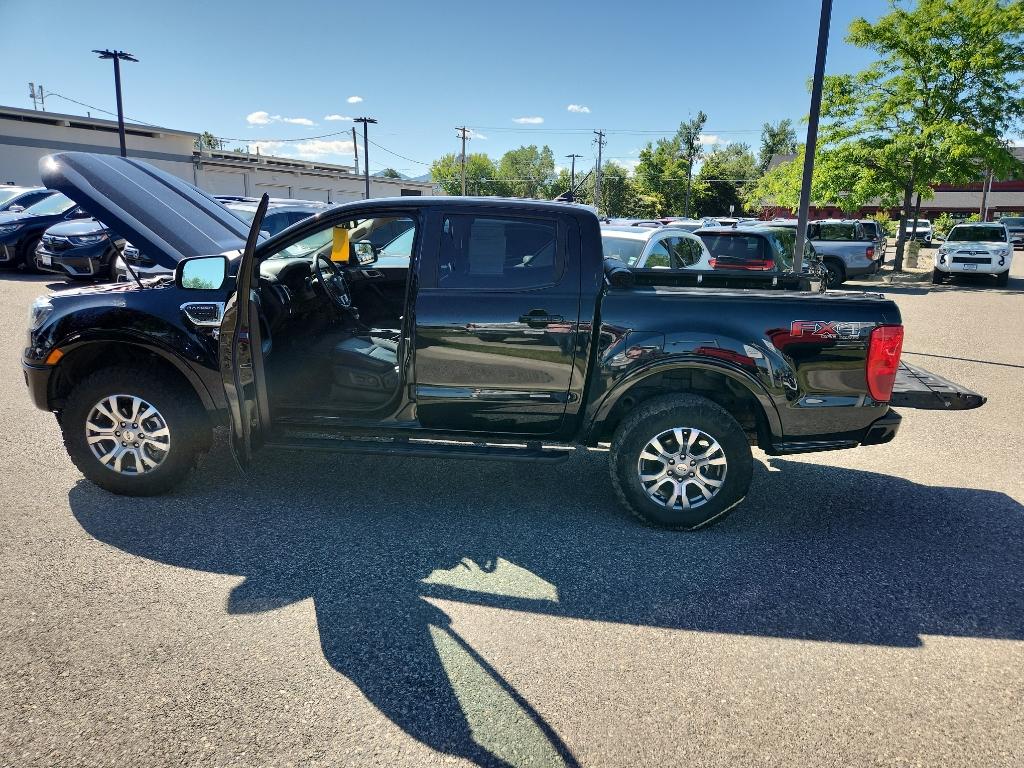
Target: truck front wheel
681 462
133 433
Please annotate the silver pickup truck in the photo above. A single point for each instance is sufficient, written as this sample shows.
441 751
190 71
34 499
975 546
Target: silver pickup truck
846 248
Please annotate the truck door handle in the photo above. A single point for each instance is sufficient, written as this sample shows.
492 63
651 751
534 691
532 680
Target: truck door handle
539 317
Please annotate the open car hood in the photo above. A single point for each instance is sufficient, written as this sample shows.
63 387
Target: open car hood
163 216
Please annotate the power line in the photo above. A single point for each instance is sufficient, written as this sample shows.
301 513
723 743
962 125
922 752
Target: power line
392 152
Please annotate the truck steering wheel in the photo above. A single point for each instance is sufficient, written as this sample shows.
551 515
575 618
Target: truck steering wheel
334 284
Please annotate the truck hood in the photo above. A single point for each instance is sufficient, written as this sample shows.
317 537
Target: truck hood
162 215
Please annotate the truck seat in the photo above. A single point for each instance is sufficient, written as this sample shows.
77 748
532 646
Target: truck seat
367 364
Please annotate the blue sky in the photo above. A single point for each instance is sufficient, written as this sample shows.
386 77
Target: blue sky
263 71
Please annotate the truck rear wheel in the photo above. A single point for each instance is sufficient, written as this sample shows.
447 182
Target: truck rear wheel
681 462
133 433
834 273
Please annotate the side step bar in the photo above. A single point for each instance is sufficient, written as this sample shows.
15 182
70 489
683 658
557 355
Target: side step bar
422 448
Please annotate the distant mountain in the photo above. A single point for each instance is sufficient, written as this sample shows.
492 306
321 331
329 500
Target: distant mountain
404 177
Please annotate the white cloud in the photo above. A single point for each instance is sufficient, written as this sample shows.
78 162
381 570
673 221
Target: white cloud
528 120
476 135
318 149
710 138
333 118
265 118
579 108
354 99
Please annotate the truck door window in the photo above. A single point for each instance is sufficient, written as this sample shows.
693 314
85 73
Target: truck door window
486 253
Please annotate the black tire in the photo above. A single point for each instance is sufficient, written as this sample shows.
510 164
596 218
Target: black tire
28 256
667 412
189 428
1003 279
938 277
834 274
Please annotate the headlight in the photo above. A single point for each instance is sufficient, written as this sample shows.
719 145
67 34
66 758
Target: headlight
8 228
87 239
39 311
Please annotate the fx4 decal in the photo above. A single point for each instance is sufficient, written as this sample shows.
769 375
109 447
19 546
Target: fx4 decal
827 329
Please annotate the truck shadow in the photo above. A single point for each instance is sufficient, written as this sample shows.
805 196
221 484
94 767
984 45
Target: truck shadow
380 545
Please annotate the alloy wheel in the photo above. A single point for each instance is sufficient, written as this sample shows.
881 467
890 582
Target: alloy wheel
127 434
682 468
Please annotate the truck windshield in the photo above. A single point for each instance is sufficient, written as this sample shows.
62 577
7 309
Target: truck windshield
1012 221
968 234
625 249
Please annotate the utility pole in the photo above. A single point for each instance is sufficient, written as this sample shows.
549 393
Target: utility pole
597 179
462 133
812 127
42 98
572 186
355 148
366 150
118 56
32 95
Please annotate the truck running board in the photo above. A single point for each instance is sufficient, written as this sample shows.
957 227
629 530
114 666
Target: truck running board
917 388
422 448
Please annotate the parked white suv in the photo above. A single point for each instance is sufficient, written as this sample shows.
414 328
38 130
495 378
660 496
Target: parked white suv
922 232
656 248
976 248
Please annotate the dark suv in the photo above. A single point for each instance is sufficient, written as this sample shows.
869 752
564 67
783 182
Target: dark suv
79 250
20 233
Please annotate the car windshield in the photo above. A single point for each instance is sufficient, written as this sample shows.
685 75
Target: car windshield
308 246
8 194
625 249
51 206
967 234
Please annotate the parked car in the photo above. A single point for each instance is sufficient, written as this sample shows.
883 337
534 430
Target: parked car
680 382
1015 228
16 199
923 230
975 248
20 232
83 249
281 214
667 247
845 247
756 249
876 232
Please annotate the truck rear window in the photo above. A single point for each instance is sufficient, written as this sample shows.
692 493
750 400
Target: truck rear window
836 232
486 253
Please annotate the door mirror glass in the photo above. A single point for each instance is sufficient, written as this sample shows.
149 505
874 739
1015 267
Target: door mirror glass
16 209
203 273
366 253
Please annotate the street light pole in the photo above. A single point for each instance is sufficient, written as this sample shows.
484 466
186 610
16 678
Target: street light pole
572 176
366 150
812 129
117 56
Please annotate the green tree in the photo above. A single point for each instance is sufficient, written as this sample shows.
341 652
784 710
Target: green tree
207 140
777 139
661 176
934 106
481 173
527 171
722 179
390 173
689 137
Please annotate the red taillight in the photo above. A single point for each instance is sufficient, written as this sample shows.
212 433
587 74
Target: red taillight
884 349
870 253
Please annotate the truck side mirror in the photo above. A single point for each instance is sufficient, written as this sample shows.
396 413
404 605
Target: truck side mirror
366 253
16 209
203 273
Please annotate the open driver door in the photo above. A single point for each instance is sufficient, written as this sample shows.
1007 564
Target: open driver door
241 353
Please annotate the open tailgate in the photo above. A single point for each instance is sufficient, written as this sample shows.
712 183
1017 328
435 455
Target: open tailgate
917 388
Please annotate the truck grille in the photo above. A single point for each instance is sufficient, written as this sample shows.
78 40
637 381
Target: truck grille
971 260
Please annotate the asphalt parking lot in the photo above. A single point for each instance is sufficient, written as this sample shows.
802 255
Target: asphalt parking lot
863 607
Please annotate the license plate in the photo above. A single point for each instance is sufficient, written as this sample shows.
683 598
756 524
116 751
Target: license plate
45 260
970 267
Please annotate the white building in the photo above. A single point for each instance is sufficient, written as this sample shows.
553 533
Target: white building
27 135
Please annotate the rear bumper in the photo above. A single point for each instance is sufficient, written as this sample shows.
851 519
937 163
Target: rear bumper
883 430
37 379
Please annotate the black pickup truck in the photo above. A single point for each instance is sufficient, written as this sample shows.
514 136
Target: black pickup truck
486 328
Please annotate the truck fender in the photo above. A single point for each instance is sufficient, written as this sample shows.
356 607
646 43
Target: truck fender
193 378
639 375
